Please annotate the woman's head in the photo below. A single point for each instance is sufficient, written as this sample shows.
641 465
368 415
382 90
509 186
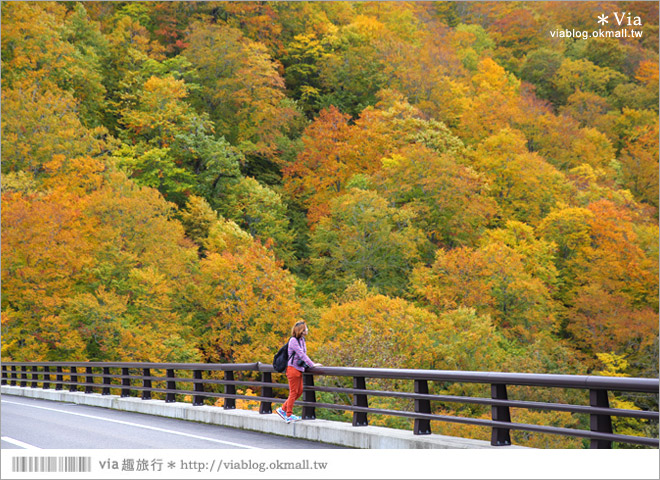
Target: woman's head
299 329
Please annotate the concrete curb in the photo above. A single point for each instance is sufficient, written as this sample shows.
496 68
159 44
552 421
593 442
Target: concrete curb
326 431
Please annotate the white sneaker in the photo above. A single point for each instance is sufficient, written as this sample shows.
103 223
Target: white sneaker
282 414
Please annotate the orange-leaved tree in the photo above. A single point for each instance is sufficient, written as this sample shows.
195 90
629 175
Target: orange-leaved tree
510 276
335 151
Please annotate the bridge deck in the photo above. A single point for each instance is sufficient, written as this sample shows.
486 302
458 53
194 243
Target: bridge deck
335 433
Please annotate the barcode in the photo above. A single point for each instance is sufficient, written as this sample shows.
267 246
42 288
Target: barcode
51 464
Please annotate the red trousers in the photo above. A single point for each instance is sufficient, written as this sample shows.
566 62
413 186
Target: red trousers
295 388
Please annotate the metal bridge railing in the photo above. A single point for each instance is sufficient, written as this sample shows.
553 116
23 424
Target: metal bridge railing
202 381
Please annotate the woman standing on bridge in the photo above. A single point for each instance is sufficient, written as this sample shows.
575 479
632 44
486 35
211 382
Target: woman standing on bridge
298 362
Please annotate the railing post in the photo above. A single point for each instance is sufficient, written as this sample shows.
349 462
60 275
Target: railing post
230 389
107 381
360 400
59 378
199 387
500 436
74 380
308 413
5 375
422 426
171 385
146 383
46 380
600 423
266 391
23 376
35 377
125 383
89 388
13 376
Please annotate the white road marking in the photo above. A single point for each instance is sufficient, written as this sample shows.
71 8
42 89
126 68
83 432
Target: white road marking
18 443
131 424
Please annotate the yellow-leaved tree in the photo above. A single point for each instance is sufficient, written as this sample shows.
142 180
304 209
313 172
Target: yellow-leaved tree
242 301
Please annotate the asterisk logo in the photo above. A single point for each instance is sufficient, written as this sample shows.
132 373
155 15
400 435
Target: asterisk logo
602 19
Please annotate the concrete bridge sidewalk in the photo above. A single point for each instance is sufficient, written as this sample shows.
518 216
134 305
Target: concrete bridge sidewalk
337 433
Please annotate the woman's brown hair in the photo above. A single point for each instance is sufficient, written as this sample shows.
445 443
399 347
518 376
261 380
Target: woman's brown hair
298 329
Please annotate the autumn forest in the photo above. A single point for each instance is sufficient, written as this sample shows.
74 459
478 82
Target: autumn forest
435 185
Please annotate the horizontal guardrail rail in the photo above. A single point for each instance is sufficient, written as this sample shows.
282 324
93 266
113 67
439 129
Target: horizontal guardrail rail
201 381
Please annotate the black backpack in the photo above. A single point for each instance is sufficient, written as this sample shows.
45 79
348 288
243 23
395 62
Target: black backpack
281 358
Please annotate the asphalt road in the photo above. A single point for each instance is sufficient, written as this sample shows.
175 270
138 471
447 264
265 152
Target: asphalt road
34 423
